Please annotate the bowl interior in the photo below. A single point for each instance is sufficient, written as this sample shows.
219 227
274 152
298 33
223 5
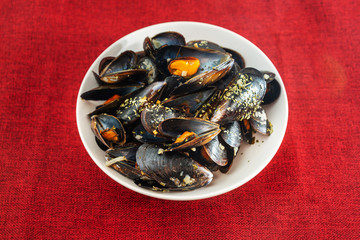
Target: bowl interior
250 160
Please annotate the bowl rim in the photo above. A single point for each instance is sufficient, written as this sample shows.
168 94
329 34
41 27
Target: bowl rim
171 196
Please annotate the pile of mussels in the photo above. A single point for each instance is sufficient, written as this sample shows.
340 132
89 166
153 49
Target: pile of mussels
176 112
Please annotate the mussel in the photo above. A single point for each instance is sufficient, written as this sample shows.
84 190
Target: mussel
130 110
241 98
122 68
172 170
108 129
188 132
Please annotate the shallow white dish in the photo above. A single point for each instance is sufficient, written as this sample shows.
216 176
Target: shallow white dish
250 160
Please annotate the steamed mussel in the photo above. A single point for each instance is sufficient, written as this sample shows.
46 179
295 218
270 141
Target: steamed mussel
178 111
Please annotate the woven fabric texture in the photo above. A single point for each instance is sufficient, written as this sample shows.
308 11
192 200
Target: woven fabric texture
51 189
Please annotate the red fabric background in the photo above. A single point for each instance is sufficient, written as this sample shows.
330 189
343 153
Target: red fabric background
51 189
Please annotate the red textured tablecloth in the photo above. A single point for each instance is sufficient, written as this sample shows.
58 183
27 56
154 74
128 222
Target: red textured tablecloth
51 189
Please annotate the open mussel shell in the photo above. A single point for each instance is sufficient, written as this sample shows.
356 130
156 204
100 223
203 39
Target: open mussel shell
273 90
123 160
169 38
202 131
172 170
216 151
191 102
125 61
104 62
231 134
127 151
109 108
108 129
106 92
130 109
205 79
241 98
122 68
154 114
203 159
260 123
208 58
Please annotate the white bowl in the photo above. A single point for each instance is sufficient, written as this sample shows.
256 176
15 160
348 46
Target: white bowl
250 160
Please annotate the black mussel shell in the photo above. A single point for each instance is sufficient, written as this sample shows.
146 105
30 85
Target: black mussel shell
172 169
143 136
151 184
108 129
130 109
205 44
273 90
240 99
231 134
101 145
125 61
231 153
191 102
169 38
268 76
206 110
172 82
123 160
208 58
204 79
201 131
237 57
104 62
108 108
202 158
123 68
260 123
148 64
222 83
106 92
215 151
247 131
128 151
154 114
